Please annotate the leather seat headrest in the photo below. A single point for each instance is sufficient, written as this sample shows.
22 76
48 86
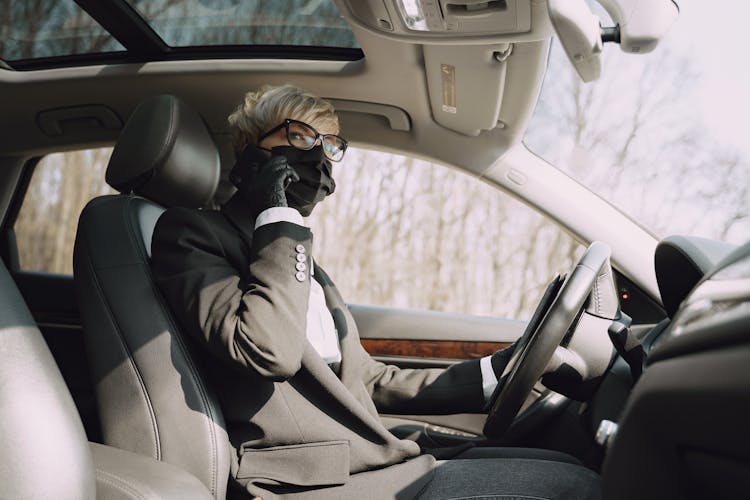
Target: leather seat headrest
166 154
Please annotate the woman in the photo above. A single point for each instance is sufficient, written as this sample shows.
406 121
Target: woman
299 393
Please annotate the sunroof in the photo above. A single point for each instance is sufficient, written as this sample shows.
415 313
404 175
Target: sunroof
52 33
50 28
191 23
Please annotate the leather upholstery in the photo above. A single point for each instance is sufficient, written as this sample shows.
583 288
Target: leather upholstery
151 397
121 475
157 153
45 453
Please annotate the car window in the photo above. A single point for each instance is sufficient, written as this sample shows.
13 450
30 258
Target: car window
48 33
398 232
50 28
662 136
62 183
407 233
263 22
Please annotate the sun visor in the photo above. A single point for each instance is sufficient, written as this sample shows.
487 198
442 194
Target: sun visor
466 84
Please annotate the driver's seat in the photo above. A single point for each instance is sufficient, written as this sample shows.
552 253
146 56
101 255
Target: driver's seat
152 399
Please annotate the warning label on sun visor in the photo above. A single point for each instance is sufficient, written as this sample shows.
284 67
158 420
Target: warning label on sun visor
448 74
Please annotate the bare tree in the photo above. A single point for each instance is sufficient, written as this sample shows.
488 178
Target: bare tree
407 233
46 226
633 137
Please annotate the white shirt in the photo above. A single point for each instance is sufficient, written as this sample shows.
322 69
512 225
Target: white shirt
321 330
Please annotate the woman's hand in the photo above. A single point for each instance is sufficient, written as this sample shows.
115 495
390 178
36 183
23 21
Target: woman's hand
263 185
501 358
271 181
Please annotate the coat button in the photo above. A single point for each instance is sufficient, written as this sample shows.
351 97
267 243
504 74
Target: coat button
301 266
300 276
301 257
300 248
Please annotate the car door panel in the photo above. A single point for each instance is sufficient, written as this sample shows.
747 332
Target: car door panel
50 297
409 336
422 339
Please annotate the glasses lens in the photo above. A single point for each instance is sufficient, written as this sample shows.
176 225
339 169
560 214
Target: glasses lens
301 136
334 147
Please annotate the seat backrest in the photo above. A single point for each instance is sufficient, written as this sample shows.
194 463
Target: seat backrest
151 396
45 451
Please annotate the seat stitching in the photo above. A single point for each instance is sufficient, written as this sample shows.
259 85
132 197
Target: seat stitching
204 400
124 345
170 133
119 482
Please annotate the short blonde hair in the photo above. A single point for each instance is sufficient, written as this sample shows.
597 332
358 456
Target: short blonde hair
271 105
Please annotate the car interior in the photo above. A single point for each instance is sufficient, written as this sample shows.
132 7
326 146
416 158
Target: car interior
102 395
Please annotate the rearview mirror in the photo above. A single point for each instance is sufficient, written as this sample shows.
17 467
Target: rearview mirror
580 35
640 25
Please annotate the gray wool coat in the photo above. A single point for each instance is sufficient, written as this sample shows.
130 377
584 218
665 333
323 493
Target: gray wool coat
299 427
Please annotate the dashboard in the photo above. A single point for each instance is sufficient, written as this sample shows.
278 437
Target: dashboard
684 430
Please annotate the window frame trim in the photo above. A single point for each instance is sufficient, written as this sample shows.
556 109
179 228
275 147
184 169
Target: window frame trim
7 227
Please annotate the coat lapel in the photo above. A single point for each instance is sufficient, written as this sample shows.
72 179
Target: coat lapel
345 326
237 213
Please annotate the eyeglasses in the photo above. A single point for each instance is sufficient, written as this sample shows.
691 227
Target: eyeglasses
302 136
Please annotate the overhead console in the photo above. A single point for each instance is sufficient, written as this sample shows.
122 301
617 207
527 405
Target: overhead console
428 20
467 46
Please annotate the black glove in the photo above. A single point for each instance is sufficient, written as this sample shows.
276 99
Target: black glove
501 359
263 185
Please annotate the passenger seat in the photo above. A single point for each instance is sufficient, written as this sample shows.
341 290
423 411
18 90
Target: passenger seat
45 451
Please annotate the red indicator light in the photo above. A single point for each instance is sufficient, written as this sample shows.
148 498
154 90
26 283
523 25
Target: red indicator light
625 296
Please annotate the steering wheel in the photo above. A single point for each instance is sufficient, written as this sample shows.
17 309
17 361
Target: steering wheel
557 312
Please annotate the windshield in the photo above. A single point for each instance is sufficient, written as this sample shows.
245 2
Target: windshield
662 136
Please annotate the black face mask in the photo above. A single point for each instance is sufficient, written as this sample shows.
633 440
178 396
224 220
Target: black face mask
315 174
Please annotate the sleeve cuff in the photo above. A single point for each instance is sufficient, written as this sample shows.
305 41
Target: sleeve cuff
278 214
489 380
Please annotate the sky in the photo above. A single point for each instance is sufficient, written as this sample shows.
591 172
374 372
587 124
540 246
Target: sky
712 100
713 33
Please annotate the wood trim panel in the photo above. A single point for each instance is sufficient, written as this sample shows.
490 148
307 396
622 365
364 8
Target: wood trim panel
448 349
